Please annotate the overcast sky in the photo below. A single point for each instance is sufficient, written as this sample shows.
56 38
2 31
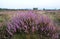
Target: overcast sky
23 4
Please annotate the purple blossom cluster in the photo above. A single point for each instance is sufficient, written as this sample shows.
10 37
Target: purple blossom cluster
31 23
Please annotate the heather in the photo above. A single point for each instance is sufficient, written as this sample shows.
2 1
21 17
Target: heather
31 26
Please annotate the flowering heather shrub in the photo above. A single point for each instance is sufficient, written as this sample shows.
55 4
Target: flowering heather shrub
32 23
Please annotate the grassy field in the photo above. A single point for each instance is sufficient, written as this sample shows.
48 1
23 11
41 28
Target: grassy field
7 15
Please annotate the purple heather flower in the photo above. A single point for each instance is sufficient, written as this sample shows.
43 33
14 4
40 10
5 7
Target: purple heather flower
33 28
31 22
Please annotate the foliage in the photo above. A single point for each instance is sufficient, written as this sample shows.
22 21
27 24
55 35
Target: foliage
3 20
3 32
31 23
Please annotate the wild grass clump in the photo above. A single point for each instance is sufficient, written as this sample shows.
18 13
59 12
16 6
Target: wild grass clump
3 26
31 23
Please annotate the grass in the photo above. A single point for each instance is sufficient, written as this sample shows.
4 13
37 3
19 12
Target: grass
19 36
1 19
28 36
23 36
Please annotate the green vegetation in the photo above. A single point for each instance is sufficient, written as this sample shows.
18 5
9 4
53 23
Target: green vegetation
4 18
1 20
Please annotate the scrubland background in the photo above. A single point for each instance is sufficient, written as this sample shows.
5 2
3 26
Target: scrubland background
54 15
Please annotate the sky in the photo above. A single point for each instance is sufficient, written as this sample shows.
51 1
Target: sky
29 4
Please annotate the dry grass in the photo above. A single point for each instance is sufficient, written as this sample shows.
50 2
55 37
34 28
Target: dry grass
49 13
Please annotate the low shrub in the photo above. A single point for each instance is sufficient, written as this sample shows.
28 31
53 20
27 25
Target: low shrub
32 24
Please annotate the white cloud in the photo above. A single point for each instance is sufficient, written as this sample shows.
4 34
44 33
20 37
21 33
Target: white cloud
30 3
